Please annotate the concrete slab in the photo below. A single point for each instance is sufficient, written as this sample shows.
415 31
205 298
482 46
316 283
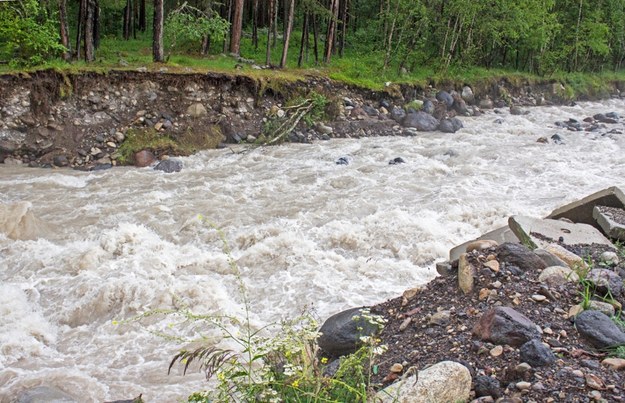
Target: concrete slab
500 235
535 232
581 211
611 220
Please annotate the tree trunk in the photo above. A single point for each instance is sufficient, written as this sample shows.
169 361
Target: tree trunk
64 30
287 34
158 53
304 43
315 39
82 12
135 17
237 26
142 16
268 52
127 12
96 24
344 11
90 13
206 44
330 37
255 25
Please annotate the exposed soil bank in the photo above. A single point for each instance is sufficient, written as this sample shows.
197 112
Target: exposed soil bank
98 120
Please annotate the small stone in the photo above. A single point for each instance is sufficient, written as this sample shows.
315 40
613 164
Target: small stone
610 257
481 244
595 395
496 351
603 307
111 144
523 385
539 298
497 284
440 318
484 293
397 368
575 310
557 275
522 367
594 382
493 265
119 137
577 373
616 364
158 125
404 324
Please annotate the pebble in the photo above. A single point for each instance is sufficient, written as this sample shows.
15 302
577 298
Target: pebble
614 363
577 373
523 385
397 368
497 284
595 395
493 265
538 298
496 351
523 367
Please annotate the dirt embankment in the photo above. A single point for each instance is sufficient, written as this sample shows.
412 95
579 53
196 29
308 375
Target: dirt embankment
89 120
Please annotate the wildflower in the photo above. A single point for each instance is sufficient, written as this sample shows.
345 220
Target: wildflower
324 360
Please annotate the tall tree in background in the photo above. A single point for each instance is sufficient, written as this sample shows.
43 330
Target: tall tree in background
287 34
236 28
331 33
90 30
271 10
158 53
64 30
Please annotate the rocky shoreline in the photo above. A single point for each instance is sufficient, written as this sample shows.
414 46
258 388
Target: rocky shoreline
93 121
535 318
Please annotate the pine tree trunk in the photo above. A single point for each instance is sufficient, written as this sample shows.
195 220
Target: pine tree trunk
82 12
237 26
142 16
96 24
127 11
89 50
287 34
330 37
315 39
255 25
344 11
268 52
64 30
304 42
158 54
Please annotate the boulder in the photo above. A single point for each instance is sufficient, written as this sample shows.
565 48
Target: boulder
398 114
467 95
581 211
515 254
421 121
598 329
450 125
466 274
504 325
549 258
487 386
557 275
445 97
197 110
606 282
444 382
144 158
611 220
543 232
536 354
516 110
486 103
428 106
341 333
169 166
460 106
44 394
568 257
499 235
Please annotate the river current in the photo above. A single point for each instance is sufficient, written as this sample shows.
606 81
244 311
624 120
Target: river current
94 249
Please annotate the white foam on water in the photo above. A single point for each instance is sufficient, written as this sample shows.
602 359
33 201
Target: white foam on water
304 232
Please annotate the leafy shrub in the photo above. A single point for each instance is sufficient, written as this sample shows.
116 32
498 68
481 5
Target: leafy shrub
28 36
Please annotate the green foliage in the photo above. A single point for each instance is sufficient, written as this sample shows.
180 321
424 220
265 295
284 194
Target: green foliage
28 36
186 26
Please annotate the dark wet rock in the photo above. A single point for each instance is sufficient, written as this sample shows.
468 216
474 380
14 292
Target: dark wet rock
398 114
428 107
517 110
498 121
536 354
460 106
60 161
385 104
169 166
557 139
445 97
369 110
487 386
422 121
600 117
144 158
341 333
606 282
450 125
504 325
513 254
598 329
397 160
342 161
102 167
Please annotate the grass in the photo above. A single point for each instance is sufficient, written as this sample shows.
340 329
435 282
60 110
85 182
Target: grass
358 68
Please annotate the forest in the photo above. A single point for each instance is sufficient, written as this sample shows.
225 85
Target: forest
540 37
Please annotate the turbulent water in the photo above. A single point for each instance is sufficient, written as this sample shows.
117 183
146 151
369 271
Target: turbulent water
79 251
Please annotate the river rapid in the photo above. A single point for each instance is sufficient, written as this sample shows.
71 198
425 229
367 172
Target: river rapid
306 234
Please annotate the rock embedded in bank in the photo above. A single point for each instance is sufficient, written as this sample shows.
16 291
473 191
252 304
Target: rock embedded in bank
598 329
513 254
422 121
504 325
341 333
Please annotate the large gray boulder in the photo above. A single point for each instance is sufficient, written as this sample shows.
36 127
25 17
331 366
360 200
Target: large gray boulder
450 125
598 329
445 382
421 121
341 333
169 166
536 354
504 325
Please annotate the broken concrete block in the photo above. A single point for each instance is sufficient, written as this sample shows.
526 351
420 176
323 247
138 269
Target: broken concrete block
536 232
581 211
500 235
611 220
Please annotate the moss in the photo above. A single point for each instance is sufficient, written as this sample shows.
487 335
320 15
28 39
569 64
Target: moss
160 143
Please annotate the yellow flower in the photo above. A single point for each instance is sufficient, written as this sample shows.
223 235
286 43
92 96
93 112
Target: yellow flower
295 383
324 360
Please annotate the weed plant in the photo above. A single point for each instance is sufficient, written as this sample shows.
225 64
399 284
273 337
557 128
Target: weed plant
276 363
